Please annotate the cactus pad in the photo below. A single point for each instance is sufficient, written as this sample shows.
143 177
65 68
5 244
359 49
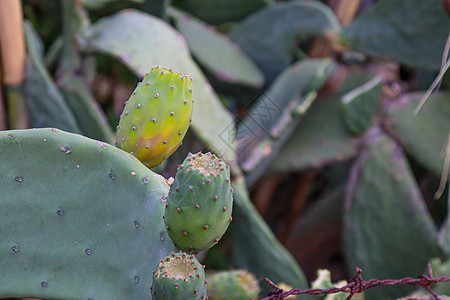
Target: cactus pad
156 117
199 205
179 276
237 285
79 219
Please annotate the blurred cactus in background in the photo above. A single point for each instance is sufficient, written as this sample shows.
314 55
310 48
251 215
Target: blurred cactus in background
321 128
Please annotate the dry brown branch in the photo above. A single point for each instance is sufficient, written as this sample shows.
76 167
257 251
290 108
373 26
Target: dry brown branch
298 203
2 112
346 11
12 42
444 67
265 192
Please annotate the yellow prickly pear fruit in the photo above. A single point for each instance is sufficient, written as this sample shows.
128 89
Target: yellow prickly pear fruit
157 116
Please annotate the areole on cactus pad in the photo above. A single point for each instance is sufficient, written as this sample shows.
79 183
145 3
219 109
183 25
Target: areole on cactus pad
157 116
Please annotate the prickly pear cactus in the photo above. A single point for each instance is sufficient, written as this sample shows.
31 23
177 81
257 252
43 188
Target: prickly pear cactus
79 219
178 277
157 116
237 285
200 201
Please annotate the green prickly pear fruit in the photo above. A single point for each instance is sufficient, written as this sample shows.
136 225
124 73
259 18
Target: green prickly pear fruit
179 276
156 116
235 285
199 204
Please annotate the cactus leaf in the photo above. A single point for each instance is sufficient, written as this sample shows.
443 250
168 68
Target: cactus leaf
401 29
444 236
46 105
388 232
79 219
360 105
74 71
216 53
98 4
275 114
432 122
90 117
221 11
321 137
269 35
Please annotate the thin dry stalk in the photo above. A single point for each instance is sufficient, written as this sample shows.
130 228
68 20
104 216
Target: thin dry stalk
437 81
445 171
12 44
298 203
2 112
12 47
346 11
265 193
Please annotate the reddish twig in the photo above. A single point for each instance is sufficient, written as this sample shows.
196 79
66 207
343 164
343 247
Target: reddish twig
358 285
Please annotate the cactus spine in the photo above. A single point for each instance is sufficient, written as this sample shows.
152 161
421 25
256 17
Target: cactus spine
179 277
156 116
199 204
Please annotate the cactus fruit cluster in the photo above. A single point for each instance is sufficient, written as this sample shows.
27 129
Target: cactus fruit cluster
96 211
156 116
178 277
198 208
237 285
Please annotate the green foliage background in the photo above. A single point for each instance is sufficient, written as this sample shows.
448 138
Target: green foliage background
332 168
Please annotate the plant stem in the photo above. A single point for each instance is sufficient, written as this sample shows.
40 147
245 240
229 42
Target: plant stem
12 50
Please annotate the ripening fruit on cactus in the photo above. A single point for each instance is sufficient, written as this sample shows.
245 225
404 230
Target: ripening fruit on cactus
237 285
199 204
156 116
178 277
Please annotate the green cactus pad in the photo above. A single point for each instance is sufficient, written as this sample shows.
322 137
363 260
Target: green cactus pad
178 277
79 219
157 116
200 201
237 285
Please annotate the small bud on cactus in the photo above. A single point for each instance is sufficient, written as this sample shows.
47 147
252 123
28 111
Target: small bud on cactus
156 117
179 277
200 203
237 285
